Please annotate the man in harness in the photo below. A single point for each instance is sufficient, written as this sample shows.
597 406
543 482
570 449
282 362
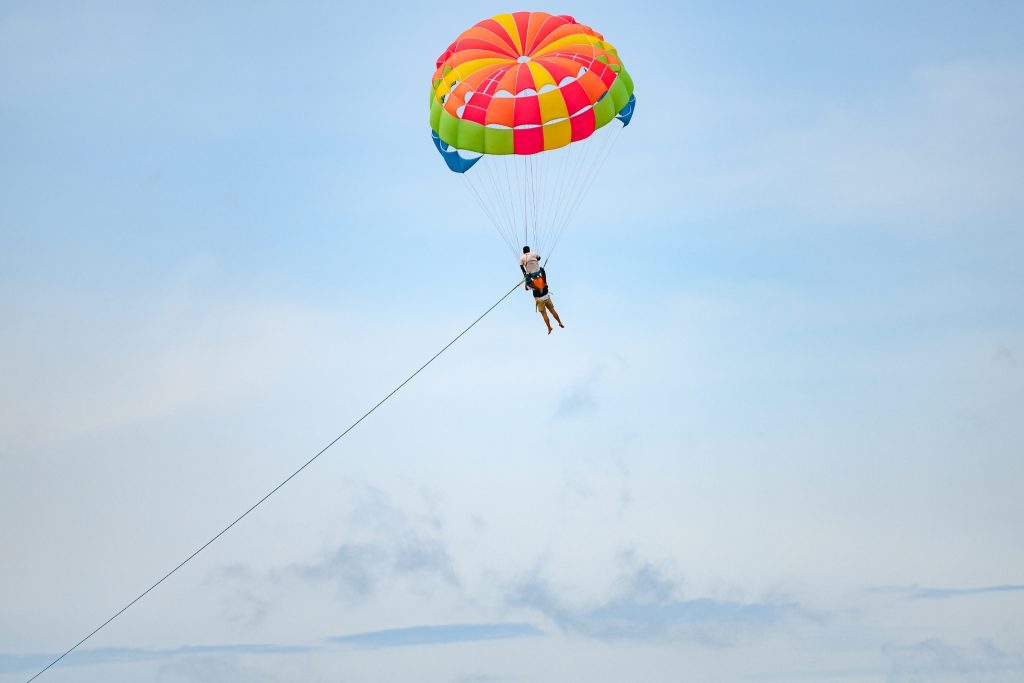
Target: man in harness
536 279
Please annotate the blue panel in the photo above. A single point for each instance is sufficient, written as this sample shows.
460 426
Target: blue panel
454 160
627 112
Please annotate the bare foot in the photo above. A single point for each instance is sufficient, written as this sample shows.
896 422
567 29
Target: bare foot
549 330
561 325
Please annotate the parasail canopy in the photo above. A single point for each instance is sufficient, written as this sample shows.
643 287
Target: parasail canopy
526 96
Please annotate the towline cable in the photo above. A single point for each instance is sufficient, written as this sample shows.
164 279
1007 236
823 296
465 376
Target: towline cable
276 488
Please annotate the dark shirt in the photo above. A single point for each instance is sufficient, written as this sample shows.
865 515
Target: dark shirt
539 292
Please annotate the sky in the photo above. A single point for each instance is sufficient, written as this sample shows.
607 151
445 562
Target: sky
779 439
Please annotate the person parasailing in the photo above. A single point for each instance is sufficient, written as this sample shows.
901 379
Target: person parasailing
529 263
535 278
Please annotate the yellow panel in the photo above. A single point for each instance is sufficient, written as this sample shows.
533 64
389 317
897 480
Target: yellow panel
541 77
552 105
575 39
509 24
466 69
557 134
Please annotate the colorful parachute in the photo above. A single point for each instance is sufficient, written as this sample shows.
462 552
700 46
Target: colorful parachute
524 100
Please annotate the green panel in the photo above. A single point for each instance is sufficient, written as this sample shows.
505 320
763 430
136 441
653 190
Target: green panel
618 94
435 113
449 129
627 81
476 138
498 141
604 110
471 136
461 134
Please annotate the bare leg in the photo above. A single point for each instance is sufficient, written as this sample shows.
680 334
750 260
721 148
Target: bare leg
555 313
544 314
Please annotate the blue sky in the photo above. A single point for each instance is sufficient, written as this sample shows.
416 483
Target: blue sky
786 445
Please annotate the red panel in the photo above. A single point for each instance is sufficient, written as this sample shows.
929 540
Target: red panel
556 68
462 56
522 20
582 125
498 43
490 85
524 79
606 74
527 110
575 97
584 60
491 50
498 30
475 114
445 55
481 100
528 140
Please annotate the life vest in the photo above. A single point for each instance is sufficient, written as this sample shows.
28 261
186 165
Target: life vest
537 280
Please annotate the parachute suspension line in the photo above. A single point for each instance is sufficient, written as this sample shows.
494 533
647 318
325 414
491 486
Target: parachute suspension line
513 174
576 163
504 194
574 177
490 173
491 170
563 180
531 227
511 195
548 194
524 194
532 179
533 184
536 217
543 200
531 199
550 191
487 210
539 179
606 147
546 163
569 169
279 486
595 155
471 186
525 175
548 181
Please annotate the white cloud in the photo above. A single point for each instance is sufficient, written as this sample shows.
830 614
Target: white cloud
935 659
